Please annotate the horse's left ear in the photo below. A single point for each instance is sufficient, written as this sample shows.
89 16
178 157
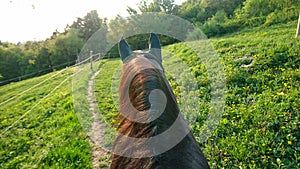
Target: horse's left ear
154 46
124 49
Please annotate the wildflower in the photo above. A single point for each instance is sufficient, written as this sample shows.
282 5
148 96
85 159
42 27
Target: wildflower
281 93
282 69
289 142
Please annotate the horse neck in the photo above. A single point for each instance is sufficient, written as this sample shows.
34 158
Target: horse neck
140 87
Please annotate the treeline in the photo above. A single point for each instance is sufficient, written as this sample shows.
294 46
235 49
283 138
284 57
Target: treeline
214 17
218 17
33 58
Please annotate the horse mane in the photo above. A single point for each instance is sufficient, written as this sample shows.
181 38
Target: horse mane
144 81
187 153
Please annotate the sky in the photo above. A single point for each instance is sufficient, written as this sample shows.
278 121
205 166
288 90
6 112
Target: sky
34 20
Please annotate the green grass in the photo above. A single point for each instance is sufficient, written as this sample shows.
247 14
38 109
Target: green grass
106 92
49 135
260 125
259 128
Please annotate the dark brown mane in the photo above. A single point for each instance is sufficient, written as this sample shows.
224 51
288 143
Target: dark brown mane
187 153
140 87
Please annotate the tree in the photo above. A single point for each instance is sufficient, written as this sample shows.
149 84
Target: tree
44 61
192 11
64 49
199 11
60 50
164 6
9 62
88 25
131 11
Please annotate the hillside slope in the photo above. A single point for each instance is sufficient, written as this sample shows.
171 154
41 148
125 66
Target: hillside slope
38 126
259 127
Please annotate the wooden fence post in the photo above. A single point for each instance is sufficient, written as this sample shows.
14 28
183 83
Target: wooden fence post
91 59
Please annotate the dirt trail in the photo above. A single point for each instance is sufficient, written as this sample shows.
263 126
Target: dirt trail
100 154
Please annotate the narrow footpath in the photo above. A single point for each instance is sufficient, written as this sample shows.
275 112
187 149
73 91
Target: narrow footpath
100 153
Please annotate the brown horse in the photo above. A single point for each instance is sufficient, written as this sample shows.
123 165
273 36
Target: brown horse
148 109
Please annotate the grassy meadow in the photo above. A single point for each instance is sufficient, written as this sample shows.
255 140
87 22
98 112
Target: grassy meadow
260 125
42 133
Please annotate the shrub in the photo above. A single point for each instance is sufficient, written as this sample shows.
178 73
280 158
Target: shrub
281 16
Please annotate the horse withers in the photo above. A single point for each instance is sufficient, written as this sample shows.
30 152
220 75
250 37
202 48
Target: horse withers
148 113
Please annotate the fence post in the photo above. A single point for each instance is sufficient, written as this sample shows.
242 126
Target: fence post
91 59
298 27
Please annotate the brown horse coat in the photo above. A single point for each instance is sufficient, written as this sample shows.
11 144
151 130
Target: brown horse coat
143 73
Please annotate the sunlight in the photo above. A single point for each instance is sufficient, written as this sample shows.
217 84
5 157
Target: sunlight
23 20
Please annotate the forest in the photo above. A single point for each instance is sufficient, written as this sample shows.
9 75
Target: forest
215 17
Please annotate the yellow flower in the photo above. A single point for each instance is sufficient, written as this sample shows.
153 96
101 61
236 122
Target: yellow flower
289 142
282 69
225 159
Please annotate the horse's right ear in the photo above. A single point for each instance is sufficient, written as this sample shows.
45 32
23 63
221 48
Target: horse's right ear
124 49
154 46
